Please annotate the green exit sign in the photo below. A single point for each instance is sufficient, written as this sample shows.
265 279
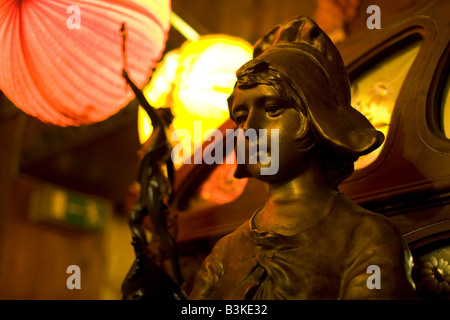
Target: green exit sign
58 205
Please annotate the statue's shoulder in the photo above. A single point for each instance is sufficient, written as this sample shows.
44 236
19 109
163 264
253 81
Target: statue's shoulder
362 217
240 235
369 227
375 241
228 245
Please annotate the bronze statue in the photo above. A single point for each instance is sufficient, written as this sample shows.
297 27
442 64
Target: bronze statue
309 241
146 278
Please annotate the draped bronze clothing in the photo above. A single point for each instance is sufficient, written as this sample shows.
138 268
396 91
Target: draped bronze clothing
327 261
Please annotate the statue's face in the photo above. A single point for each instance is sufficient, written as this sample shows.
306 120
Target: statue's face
261 107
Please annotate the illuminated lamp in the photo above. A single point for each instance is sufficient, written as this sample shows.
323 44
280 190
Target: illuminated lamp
195 81
62 60
158 92
375 92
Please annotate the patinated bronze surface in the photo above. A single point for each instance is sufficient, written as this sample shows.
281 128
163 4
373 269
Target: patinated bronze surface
147 279
309 241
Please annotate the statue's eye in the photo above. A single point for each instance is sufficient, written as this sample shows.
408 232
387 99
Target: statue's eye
274 110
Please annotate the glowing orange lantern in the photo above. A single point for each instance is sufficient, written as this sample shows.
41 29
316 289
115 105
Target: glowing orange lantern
195 81
62 61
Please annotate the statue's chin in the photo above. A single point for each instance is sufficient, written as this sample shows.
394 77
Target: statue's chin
266 173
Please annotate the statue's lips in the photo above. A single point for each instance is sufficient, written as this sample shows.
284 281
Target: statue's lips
258 149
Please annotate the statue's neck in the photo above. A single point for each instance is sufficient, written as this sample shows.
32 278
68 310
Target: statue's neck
295 205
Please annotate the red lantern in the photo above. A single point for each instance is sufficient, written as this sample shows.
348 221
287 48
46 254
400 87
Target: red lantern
61 61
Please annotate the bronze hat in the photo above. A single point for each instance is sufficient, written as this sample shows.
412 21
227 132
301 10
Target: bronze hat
302 52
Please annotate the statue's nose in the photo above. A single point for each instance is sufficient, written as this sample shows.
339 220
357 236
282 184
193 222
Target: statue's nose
253 121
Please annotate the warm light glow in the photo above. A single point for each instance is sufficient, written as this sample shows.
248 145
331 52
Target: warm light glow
195 81
375 92
158 92
445 109
186 30
221 186
62 60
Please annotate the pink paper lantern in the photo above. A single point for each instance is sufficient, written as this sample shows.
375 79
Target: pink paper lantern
61 61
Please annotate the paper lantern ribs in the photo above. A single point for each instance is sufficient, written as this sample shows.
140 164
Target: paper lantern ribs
62 61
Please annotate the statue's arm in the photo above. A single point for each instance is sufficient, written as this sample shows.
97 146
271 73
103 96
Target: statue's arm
379 263
154 117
